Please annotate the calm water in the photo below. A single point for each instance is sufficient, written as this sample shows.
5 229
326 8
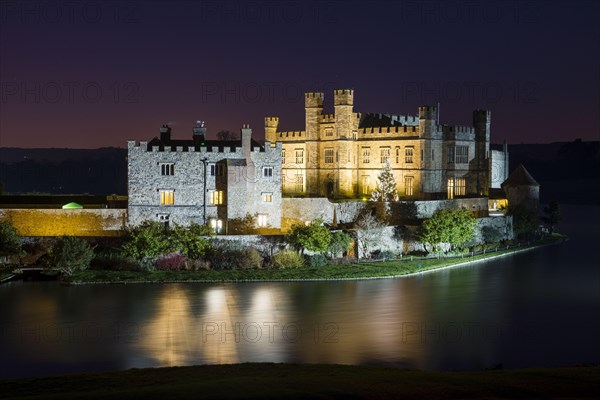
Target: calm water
538 308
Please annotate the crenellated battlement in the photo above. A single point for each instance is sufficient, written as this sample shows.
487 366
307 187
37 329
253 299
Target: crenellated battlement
428 112
328 118
313 100
388 131
272 120
458 129
291 135
343 97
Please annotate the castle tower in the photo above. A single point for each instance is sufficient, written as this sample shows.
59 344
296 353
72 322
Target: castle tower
427 121
343 102
313 105
521 189
481 122
271 124
246 134
165 134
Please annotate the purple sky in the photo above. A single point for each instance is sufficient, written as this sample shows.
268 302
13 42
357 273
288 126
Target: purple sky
98 73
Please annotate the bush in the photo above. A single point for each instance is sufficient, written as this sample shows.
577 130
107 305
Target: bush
70 254
383 255
113 261
171 262
198 265
10 241
252 258
227 254
316 260
287 259
346 260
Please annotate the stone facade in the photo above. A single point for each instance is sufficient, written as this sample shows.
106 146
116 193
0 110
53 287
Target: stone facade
204 181
340 155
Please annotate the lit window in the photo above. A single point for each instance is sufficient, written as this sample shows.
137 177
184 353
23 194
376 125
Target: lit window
268 172
328 156
283 156
457 187
216 197
261 220
299 156
216 169
366 155
384 155
167 197
267 197
216 225
408 155
408 185
167 169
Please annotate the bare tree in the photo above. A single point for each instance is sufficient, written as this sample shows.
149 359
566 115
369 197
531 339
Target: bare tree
227 135
368 232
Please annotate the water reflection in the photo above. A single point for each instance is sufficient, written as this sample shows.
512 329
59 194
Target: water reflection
530 309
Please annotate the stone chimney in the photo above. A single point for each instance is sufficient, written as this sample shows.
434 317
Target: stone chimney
246 140
165 134
199 133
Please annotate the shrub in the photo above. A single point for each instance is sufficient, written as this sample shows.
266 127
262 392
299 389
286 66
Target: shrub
287 259
147 241
192 241
313 237
491 234
383 255
346 260
70 254
10 241
252 258
113 261
316 260
171 262
340 241
198 265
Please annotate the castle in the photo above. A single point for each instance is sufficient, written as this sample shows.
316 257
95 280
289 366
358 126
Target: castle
336 156
204 181
340 155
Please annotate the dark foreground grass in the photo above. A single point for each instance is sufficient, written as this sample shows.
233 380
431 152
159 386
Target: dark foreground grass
350 271
253 381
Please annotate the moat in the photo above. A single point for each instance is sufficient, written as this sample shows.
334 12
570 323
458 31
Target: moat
525 310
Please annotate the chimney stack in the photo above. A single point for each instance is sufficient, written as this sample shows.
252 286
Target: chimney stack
199 133
165 134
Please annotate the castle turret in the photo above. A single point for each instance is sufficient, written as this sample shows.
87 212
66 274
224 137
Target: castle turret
343 102
199 135
313 105
481 122
165 134
271 124
521 189
428 120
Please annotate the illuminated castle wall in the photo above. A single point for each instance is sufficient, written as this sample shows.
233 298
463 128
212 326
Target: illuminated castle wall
340 155
204 181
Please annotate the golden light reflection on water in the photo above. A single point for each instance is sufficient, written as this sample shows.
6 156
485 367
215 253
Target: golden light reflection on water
278 323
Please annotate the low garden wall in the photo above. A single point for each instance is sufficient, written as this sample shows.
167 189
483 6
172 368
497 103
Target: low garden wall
59 222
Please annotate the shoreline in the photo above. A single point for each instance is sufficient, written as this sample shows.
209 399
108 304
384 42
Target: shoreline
453 263
284 380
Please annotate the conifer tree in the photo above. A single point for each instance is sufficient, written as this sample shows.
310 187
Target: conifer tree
386 185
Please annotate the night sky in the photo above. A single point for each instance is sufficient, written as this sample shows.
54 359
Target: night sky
99 73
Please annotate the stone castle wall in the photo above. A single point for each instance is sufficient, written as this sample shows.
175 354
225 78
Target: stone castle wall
58 222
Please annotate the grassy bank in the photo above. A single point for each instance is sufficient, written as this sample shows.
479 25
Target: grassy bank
308 382
363 270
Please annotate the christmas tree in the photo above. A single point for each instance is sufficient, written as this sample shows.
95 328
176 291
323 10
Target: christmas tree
386 185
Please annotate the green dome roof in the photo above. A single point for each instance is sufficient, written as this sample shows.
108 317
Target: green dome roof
72 205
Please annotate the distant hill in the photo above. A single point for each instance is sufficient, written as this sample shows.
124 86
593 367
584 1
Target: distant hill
568 171
62 171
